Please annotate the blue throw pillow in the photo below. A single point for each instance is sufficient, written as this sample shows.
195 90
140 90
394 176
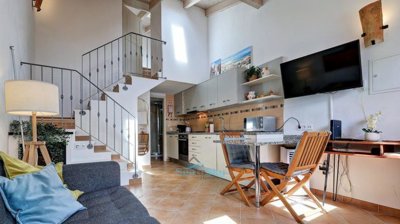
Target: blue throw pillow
38 197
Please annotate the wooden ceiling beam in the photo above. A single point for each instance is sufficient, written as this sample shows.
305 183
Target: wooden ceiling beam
153 3
221 6
254 3
189 3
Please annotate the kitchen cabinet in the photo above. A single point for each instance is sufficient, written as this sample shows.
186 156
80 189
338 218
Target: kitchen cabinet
190 99
229 88
222 171
178 104
202 151
212 93
202 96
223 90
172 146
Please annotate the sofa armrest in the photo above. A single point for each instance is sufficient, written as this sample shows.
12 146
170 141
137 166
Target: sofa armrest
89 177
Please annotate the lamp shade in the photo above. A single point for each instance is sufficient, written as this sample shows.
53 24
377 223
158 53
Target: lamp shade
24 97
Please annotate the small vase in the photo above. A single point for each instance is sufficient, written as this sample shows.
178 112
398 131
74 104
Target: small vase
370 136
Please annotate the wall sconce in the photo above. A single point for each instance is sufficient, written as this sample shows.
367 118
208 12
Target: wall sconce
372 23
37 4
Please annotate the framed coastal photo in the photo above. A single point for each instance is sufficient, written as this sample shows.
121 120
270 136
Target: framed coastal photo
241 59
215 68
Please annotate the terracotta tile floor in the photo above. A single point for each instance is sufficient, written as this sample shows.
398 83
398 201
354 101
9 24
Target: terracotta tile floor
172 197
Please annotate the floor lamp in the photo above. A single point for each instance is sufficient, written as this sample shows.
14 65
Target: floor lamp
32 98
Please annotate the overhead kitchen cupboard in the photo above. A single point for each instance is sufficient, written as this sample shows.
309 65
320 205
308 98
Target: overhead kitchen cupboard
178 104
223 90
230 91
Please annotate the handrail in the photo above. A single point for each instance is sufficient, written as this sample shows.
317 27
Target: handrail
132 151
138 34
82 76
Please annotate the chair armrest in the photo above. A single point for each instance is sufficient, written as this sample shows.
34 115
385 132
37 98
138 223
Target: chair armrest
89 177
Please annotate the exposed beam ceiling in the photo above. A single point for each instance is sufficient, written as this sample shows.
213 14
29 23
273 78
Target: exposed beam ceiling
254 3
221 6
153 3
189 3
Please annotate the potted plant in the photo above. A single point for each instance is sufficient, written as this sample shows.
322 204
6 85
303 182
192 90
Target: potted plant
55 138
253 73
371 133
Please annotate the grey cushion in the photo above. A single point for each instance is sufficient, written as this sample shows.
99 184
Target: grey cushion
88 177
5 215
281 168
238 154
113 205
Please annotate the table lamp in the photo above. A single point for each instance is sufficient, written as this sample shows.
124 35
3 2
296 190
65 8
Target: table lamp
32 98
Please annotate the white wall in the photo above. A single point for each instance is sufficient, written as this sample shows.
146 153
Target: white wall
16 28
296 28
130 22
67 29
186 52
129 100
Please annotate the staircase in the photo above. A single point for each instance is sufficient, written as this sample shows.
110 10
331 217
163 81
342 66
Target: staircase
99 104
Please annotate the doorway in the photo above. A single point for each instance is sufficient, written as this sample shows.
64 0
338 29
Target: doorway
157 127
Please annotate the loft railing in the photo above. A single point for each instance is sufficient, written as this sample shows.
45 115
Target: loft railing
134 54
105 120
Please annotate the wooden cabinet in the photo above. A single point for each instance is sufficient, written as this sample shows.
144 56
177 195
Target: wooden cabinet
178 104
229 88
172 146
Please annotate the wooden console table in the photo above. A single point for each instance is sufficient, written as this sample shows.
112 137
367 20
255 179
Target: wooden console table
337 148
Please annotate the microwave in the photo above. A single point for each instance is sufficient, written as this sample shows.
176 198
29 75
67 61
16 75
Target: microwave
266 123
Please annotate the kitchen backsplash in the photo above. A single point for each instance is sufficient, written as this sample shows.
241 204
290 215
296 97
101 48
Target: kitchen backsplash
233 116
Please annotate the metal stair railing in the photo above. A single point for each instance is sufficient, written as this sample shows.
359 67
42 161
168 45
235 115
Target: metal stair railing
112 125
132 53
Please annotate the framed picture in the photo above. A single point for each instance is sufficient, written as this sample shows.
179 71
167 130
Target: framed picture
215 68
241 59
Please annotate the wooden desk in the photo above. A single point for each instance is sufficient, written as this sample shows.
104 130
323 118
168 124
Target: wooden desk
382 149
368 149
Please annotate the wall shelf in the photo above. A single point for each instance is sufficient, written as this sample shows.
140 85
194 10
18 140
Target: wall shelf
263 99
261 80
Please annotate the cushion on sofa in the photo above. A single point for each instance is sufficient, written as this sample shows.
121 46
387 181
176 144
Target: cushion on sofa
6 217
38 196
113 205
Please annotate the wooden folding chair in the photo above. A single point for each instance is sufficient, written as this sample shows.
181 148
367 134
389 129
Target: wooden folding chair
240 167
305 161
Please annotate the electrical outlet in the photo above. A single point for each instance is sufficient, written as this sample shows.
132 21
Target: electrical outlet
307 127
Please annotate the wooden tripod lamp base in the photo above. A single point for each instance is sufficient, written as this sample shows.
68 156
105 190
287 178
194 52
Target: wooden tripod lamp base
31 153
31 98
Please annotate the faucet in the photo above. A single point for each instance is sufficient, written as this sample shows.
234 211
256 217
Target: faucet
223 123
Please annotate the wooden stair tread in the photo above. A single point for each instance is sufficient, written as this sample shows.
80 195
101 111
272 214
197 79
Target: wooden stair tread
82 138
100 148
66 122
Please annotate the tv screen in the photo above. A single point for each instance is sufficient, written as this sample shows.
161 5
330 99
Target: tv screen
331 70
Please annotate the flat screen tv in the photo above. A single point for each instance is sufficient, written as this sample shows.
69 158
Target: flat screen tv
331 70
